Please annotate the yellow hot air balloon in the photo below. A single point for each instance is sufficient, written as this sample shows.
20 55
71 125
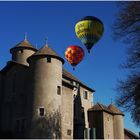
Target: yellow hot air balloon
89 30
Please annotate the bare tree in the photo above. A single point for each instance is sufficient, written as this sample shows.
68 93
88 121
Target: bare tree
127 29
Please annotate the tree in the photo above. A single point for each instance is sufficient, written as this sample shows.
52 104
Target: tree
127 29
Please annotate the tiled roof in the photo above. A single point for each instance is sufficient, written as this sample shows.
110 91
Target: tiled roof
110 109
115 110
130 134
45 50
24 44
68 75
100 107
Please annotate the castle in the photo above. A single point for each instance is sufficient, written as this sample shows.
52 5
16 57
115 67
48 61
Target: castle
40 99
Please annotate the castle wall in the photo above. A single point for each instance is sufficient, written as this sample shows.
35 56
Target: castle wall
0 84
108 125
96 121
67 113
86 103
118 127
14 99
1 97
46 77
21 55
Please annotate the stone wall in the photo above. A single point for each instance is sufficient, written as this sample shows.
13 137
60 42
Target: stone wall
21 56
118 127
86 103
14 99
108 125
45 79
67 113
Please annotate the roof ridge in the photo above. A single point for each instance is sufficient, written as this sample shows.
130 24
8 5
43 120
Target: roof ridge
101 106
47 51
67 74
25 44
114 109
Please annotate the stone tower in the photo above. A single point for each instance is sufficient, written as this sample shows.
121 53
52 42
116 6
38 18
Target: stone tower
46 88
22 51
118 122
108 121
101 118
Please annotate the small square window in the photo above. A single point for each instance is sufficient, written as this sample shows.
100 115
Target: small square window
108 136
58 90
49 59
74 83
20 51
108 118
41 111
68 132
18 125
85 95
21 124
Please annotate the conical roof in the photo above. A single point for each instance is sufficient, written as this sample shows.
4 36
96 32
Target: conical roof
115 110
110 109
100 107
47 51
23 44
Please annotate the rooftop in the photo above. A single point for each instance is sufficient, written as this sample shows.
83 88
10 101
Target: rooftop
110 109
69 76
23 44
47 51
115 110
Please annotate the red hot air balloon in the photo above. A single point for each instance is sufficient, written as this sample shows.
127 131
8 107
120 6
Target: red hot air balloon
74 55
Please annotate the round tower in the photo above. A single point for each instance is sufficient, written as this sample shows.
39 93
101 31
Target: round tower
118 122
46 75
22 51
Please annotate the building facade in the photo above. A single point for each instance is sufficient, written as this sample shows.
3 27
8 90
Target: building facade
40 99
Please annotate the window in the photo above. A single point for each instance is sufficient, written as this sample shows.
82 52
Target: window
21 124
74 83
68 132
83 113
49 59
14 82
18 125
108 136
20 51
58 90
41 112
108 118
85 95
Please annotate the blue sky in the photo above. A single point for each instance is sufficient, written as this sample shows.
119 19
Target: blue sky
56 20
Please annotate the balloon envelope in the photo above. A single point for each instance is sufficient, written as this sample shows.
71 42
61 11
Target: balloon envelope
74 55
89 30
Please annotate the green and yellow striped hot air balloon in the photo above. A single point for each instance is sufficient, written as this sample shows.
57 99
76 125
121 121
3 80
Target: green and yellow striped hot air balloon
89 30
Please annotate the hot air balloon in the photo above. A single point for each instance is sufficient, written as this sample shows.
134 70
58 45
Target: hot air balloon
89 30
74 55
